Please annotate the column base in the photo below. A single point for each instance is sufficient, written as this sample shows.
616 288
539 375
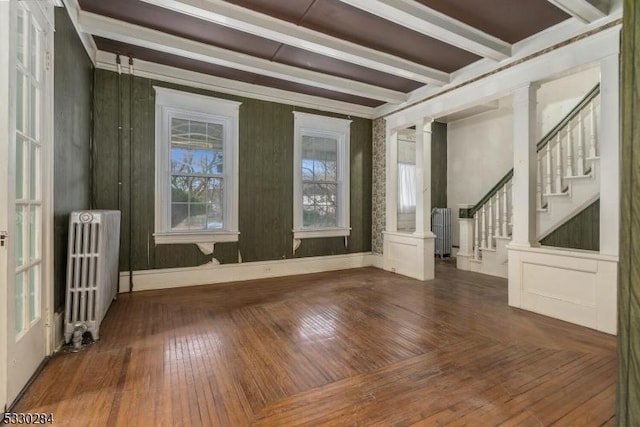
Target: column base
411 255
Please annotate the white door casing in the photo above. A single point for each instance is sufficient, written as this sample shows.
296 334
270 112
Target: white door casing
26 192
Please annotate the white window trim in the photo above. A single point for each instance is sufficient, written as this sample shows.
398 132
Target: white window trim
340 129
169 102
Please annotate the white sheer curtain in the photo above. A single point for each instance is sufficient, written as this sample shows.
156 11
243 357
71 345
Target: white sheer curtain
406 188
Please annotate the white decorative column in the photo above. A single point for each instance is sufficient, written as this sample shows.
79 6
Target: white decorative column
410 254
609 137
524 184
524 167
391 218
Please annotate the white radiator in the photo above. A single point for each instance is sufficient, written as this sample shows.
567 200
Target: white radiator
441 227
92 269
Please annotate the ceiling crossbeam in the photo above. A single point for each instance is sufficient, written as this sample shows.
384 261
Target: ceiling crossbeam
422 19
584 10
125 32
239 18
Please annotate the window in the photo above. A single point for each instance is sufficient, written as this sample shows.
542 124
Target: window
321 176
196 168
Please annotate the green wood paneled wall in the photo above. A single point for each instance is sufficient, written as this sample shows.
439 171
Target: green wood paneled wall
439 165
265 179
73 82
580 232
628 402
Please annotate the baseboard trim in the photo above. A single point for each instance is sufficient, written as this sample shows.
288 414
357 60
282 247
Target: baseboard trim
58 335
378 260
145 280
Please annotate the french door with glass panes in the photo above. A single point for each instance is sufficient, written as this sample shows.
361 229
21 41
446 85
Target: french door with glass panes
25 202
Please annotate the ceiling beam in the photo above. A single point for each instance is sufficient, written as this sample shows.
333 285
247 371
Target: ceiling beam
419 18
125 32
239 18
166 73
584 10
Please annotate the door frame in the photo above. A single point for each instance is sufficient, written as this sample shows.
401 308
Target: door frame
7 129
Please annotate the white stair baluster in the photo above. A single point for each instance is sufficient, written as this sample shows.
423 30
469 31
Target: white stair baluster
580 160
505 222
498 228
483 229
558 182
593 138
549 170
570 147
490 224
476 239
539 197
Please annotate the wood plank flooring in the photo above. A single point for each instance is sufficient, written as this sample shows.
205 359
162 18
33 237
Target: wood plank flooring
359 347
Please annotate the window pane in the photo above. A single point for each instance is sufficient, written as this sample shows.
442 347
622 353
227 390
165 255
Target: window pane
319 158
179 216
215 203
20 223
198 216
20 167
34 276
196 147
215 135
19 303
319 205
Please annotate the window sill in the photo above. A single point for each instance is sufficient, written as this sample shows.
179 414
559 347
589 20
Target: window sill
197 237
321 232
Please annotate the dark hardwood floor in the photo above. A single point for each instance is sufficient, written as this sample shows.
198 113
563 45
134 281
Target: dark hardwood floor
358 347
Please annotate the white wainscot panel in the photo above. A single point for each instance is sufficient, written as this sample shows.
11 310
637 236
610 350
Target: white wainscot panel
575 286
409 254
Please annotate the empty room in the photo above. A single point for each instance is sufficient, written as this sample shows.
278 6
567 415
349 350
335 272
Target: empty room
319 212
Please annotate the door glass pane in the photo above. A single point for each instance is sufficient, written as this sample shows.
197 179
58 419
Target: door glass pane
19 235
20 34
34 112
34 233
34 277
19 167
20 100
34 41
19 303
34 170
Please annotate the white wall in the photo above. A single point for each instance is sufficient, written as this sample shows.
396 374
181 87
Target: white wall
479 153
556 98
479 148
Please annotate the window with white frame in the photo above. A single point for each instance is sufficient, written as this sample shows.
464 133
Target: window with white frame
321 176
196 168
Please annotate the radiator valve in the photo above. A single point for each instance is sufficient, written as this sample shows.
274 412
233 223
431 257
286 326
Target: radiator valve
78 331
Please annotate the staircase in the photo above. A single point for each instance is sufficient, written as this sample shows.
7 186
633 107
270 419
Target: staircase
567 181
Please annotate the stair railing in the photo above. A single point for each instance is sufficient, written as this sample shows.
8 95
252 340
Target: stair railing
564 153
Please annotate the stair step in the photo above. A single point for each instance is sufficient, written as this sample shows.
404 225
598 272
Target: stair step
487 249
542 210
564 193
585 176
592 159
